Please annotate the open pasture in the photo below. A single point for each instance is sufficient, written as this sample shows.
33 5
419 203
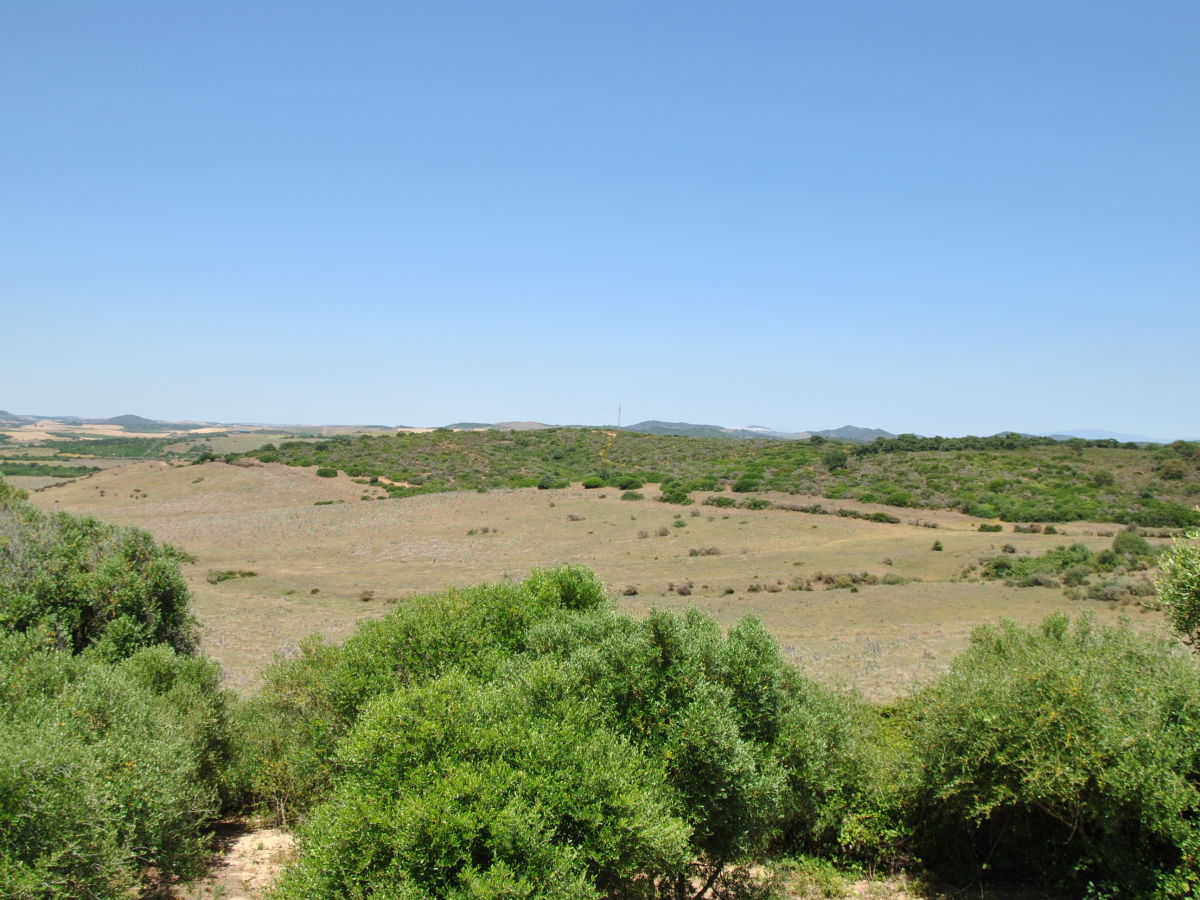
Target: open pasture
323 558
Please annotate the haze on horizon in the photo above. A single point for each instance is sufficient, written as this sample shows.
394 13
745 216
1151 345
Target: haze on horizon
934 218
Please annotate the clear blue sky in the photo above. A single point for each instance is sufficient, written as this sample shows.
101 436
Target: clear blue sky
943 217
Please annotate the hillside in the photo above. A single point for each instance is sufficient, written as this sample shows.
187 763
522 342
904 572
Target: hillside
1007 477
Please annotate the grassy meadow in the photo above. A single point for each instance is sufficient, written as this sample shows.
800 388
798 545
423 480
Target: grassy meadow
325 557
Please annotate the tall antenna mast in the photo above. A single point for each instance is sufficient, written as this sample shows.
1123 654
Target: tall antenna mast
618 415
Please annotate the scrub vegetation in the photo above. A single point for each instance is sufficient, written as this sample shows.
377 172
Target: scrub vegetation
1012 478
526 739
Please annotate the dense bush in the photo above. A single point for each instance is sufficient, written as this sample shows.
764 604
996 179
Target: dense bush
675 492
1131 552
1179 587
1065 753
1007 477
458 789
114 754
527 735
108 771
310 702
89 583
1132 544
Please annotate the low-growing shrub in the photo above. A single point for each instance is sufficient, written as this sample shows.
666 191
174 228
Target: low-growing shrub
990 526
633 495
216 577
1132 543
87 582
326 472
109 771
1065 752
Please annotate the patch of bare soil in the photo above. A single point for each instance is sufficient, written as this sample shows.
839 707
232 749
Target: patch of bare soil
245 866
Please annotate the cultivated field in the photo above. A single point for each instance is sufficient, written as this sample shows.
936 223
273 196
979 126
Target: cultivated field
320 568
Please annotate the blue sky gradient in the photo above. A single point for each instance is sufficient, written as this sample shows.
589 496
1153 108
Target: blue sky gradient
940 217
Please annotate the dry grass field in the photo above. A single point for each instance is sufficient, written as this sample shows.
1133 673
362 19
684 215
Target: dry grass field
320 568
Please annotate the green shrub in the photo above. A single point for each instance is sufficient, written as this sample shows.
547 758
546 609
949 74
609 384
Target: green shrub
454 789
308 703
991 526
216 577
835 458
1131 543
109 772
633 495
884 518
673 492
1063 752
90 583
326 472
1178 586
525 735
593 481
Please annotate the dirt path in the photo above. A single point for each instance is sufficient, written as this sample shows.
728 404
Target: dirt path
246 864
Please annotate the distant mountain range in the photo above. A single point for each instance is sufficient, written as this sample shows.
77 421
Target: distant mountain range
855 433
129 422
1096 434
688 429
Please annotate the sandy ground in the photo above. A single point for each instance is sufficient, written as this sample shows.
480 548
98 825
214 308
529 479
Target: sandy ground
245 866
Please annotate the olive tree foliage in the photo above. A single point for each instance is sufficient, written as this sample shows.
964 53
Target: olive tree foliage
88 583
1178 586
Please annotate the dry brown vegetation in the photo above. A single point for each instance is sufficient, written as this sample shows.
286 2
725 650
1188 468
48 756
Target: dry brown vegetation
320 568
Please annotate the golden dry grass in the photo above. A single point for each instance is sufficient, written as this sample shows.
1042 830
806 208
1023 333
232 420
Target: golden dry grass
316 564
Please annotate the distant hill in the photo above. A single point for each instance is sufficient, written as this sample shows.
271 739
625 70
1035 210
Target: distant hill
854 433
1098 434
126 421
521 426
499 426
894 472
683 429
690 429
